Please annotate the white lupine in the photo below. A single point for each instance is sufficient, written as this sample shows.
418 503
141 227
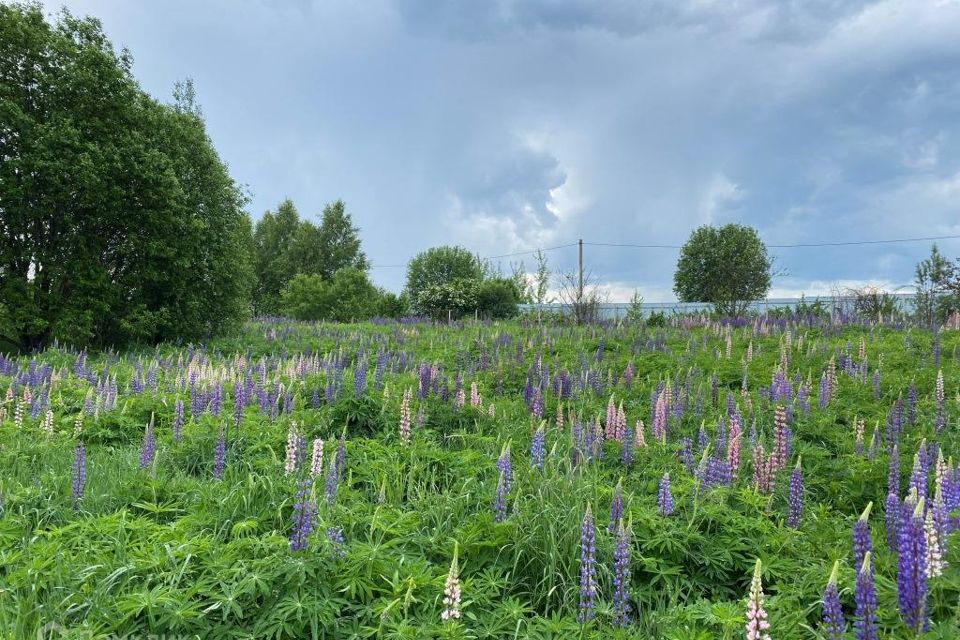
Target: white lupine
293 437
316 457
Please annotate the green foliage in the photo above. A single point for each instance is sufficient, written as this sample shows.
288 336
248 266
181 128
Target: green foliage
635 309
497 298
727 266
391 305
286 246
347 297
438 266
123 223
452 298
937 282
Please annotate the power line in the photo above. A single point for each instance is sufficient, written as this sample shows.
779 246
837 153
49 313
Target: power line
505 255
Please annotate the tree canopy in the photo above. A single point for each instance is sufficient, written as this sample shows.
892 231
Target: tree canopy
727 266
439 266
119 221
286 246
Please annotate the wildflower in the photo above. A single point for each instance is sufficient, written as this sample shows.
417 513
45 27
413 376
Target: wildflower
639 438
621 577
781 440
660 417
475 399
588 552
832 611
500 500
796 496
911 567
316 457
665 496
451 591
332 482
79 473
865 595
177 426
935 562
616 506
862 544
503 464
891 513
293 440
405 416
626 446
220 454
304 516
757 624
149 447
335 537
537 448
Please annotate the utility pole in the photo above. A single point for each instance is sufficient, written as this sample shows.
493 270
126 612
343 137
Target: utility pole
580 281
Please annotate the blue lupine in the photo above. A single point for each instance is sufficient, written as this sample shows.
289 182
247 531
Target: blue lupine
911 566
538 448
588 571
833 622
621 577
220 454
796 496
149 447
177 426
304 516
335 537
500 500
865 596
665 496
79 473
891 516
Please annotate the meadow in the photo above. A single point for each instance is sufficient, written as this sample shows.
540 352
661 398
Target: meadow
509 480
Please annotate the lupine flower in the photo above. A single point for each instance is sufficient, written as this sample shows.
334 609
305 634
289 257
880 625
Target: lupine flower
332 483
621 576
293 441
475 399
616 506
149 447
862 543
859 427
341 456
865 596
665 496
304 516
79 473
405 422
911 567
833 622
451 591
686 453
316 458
503 464
891 514
659 426
500 500
626 446
781 440
588 571
796 496
934 561
538 448
639 439
177 426
220 454
757 624
893 472
335 537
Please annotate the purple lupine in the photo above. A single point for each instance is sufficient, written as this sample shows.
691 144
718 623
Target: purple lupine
588 571
833 622
220 454
500 500
79 473
538 448
240 403
149 447
912 403
911 566
360 377
304 516
332 482
891 515
862 543
665 496
335 537
893 472
865 596
796 497
686 453
177 426
621 577
616 507
626 447
503 464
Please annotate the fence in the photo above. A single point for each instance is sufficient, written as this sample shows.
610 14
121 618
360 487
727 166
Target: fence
615 310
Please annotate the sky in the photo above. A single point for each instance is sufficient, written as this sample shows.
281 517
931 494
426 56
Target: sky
508 125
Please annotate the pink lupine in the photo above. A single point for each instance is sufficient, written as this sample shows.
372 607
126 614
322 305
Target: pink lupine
611 422
757 624
639 439
781 435
475 399
451 591
621 425
659 427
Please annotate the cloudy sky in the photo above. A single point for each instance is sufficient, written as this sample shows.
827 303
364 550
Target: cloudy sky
507 125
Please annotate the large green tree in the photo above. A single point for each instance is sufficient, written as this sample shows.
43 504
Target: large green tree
287 246
118 221
727 266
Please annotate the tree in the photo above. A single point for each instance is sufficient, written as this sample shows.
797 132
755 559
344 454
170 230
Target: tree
726 265
348 296
273 238
338 241
120 222
451 299
936 291
497 298
438 266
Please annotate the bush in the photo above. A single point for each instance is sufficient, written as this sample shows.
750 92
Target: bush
449 299
349 296
497 298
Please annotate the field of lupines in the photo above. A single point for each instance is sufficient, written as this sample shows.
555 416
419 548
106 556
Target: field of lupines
781 479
